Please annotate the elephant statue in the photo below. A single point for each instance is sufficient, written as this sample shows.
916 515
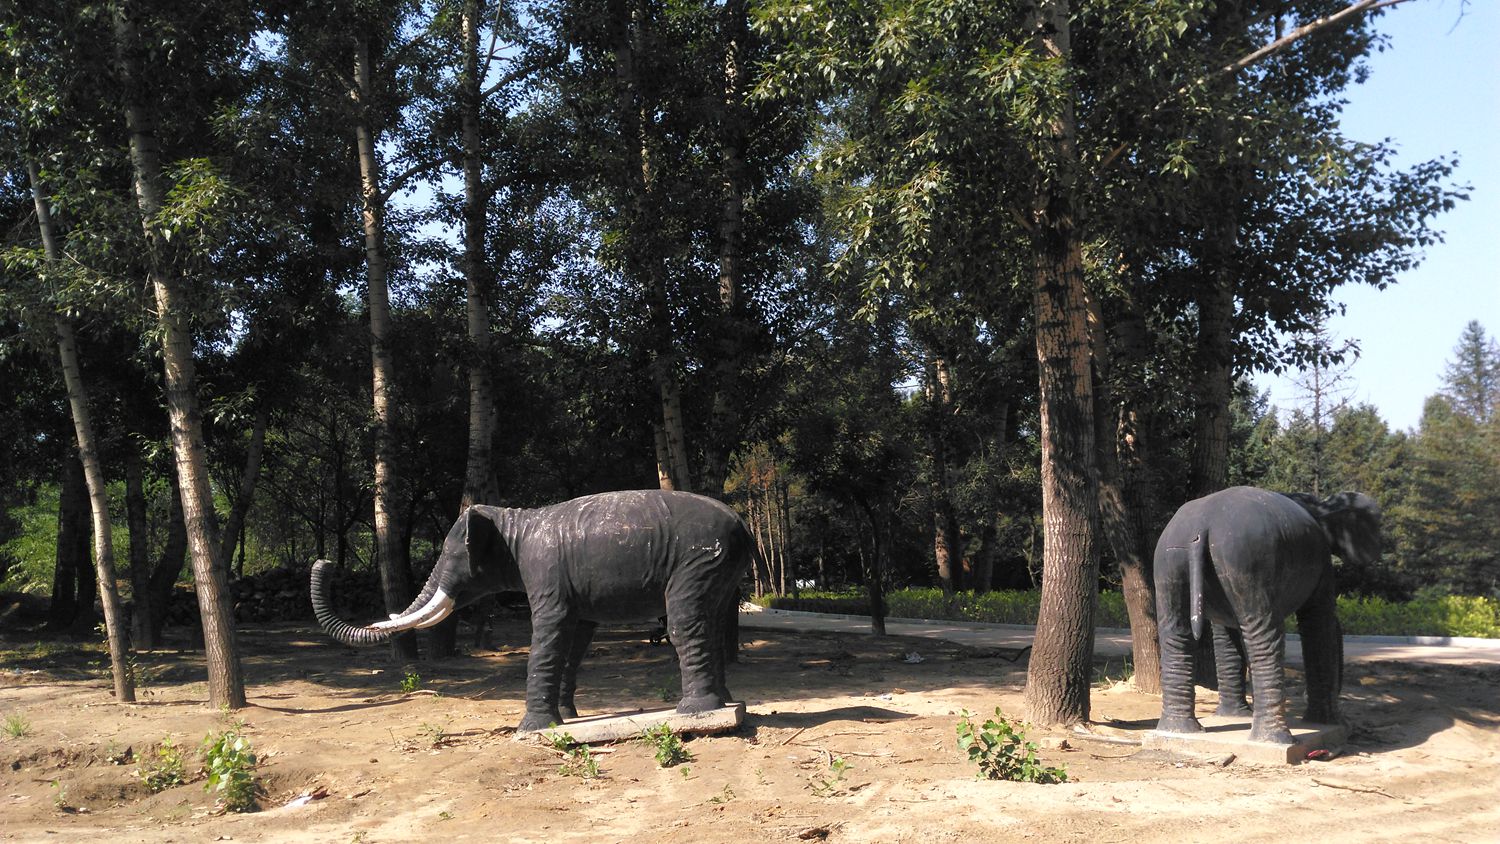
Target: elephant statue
611 557
1244 559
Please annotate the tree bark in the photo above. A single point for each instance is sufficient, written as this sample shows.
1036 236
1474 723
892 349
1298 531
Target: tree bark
1060 670
93 468
234 526
875 567
1215 300
140 563
1121 504
642 257
728 400
947 543
72 546
395 568
225 680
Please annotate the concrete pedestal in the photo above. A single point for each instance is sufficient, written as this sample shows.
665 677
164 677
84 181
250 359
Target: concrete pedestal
1223 735
602 728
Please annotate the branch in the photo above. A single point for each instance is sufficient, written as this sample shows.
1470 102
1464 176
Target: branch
1353 9
519 73
406 175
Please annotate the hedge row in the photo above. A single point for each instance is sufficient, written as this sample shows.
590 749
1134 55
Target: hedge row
1451 615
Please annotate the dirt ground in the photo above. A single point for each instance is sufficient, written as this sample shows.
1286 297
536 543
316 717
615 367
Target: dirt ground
845 741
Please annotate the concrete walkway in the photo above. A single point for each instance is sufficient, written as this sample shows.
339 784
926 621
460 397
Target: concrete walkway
1429 650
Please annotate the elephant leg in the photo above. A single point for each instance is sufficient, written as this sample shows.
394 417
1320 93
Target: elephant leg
578 645
550 641
1175 637
722 639
1229 662
691 628
1265 644
1322 652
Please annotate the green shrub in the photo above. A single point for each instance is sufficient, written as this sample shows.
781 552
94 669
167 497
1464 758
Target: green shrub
163 768
1438 615
16 725
230 764
1000 749
669 748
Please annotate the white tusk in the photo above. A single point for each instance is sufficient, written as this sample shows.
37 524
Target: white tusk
435 611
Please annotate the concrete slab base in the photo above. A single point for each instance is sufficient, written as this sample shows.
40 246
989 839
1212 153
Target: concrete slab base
1223 735
602 728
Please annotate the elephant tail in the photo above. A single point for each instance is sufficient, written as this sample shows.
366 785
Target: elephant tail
1197 562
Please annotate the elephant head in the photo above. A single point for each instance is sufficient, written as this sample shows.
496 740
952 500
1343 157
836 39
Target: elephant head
1351 521
475 561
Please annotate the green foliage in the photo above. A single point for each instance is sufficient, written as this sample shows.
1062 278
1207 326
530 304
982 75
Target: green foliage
230 764
578 760
997 607
828 782
668 745
1000 749
16 725
411 682
163 768
1442 615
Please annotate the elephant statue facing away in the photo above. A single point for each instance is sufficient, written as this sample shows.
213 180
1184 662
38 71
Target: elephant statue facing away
611 557
1244 559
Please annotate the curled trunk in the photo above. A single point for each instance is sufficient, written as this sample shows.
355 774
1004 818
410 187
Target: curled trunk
438 606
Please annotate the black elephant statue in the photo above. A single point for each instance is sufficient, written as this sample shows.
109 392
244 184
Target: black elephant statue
1244 559
611 557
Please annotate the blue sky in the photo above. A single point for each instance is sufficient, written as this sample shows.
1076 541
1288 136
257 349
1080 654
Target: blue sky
1434 91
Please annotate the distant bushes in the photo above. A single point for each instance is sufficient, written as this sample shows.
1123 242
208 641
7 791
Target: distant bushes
1450 615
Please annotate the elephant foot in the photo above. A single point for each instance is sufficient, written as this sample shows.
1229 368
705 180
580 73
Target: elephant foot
1270 732
1235 708
540 720
568 711
700 703
1178 724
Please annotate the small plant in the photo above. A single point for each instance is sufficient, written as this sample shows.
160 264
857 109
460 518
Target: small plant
436 734
230 764
411 682
1000 749
445 816
578 761
827 783
686 771
669 748
723 796
163 768
60 796
16 725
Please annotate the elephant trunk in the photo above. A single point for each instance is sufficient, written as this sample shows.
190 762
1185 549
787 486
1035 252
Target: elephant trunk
438 606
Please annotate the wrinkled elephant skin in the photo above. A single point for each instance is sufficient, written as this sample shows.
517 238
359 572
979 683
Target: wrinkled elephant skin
611 557
1244 559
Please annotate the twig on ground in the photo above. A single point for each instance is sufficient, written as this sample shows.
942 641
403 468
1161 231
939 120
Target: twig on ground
1362 789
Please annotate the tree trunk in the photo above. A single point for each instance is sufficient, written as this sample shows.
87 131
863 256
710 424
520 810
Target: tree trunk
947 543
1120 504
395 568
234 527
643 258
93 468
225 681
875 567
72 546
480 483
168 567
1060 671
1215 299
140 562
728 400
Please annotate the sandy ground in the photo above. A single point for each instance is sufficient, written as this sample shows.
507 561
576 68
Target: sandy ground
845 741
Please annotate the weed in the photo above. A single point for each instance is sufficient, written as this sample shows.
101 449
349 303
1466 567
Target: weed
578 761
445 816
723 796
827 783
437 734
16 726
60 796
1000 749
1104 677
163 769
411 682
231 770
667 692
669 748
686 771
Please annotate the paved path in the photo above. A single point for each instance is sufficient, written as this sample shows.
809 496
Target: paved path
1427 650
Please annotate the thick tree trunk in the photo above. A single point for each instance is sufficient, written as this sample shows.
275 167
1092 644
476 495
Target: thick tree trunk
1215 300
1060 670
72 547
728 401
391 553
93 468
481 486
234 526
875 568
225 680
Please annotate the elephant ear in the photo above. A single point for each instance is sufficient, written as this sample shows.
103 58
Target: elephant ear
482 540
1352 521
